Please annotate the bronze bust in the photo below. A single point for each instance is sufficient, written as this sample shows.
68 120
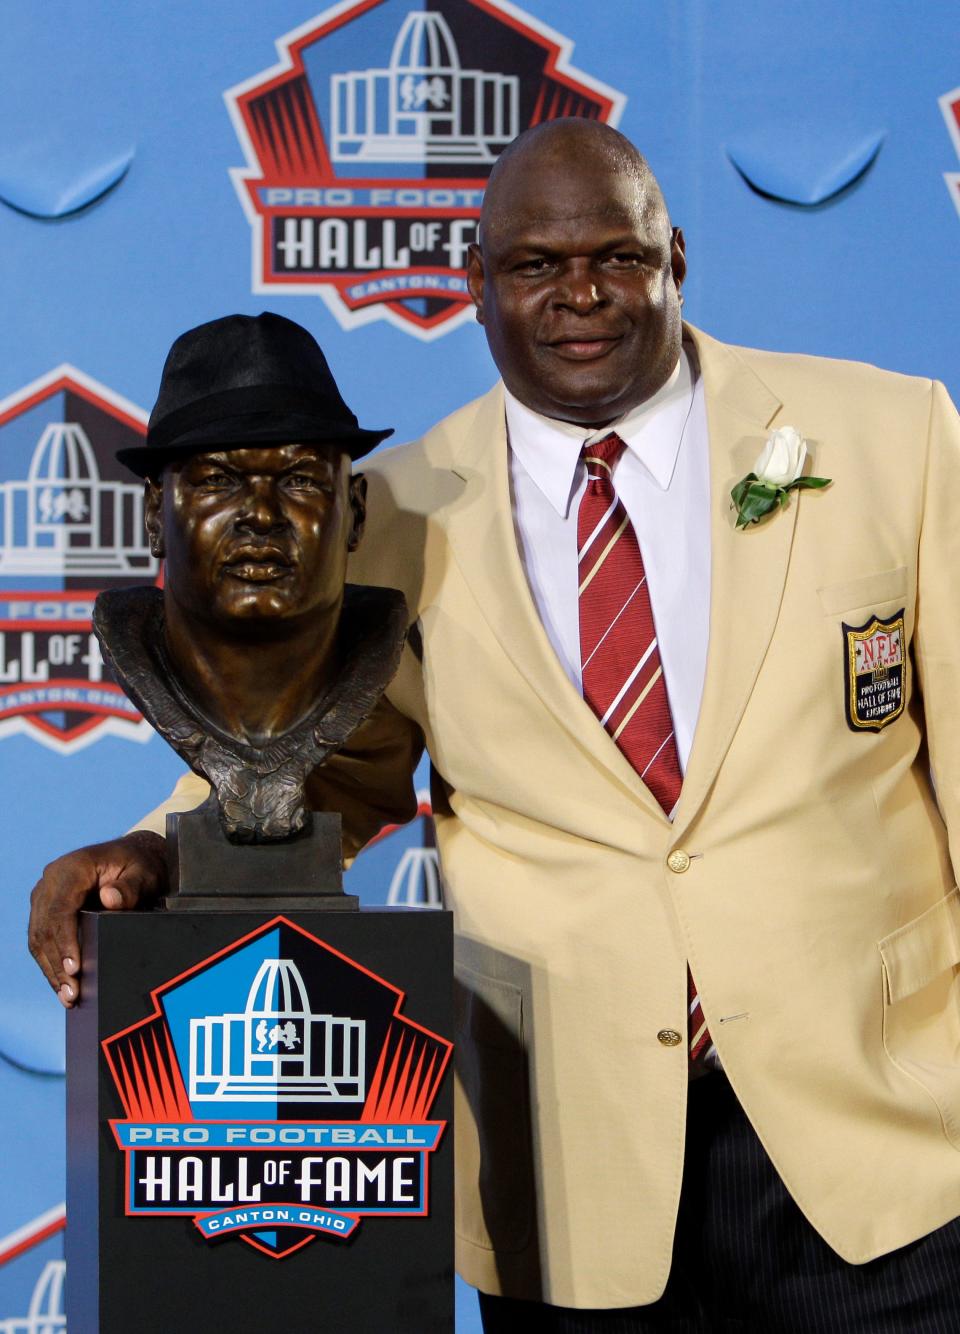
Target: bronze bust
255 661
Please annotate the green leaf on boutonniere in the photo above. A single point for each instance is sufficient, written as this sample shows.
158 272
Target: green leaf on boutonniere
754 500
741 488
814 483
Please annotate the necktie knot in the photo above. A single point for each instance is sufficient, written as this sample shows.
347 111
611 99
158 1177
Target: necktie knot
601 456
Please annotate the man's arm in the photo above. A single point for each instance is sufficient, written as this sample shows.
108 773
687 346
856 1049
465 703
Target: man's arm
122 873
370 781
937 641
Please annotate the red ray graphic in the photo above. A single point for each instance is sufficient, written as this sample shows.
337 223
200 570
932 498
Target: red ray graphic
404 1084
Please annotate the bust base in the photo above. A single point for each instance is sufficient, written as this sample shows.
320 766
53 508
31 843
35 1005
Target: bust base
210 873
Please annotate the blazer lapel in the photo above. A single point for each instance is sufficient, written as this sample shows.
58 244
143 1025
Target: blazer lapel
749 566
481 534
748 573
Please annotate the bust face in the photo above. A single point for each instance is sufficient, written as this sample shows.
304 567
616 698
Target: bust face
257 539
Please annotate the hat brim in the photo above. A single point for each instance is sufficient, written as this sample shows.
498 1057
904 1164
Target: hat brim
247 431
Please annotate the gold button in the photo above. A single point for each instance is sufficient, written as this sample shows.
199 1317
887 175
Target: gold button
669 1037
679 861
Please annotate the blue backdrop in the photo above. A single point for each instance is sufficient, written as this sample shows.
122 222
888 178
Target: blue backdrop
164 165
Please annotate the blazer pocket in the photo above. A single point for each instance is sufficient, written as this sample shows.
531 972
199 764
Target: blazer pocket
869 591
921 1011
495 1209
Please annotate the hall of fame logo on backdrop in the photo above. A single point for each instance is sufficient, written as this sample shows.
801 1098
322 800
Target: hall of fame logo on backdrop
369 144
25 1244
950 106
71 524
45 1314
415 881
276 1093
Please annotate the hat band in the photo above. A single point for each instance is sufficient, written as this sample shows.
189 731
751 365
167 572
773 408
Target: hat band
247 401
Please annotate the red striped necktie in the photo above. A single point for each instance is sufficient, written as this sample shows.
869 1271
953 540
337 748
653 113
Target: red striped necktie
623 678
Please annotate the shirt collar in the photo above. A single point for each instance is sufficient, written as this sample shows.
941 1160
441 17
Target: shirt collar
549 450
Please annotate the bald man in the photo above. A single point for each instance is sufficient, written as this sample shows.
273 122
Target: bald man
707 932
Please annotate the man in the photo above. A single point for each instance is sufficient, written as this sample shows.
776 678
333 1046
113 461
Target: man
800 876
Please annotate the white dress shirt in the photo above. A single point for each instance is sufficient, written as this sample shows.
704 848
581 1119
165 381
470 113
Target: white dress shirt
663 480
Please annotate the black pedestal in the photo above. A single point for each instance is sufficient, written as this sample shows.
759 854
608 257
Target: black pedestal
258 1124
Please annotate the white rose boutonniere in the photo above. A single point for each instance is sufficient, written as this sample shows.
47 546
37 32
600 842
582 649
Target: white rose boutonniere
775 473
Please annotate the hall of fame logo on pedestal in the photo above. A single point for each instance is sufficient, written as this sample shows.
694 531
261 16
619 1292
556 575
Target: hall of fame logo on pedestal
71 524
276 1093
369 145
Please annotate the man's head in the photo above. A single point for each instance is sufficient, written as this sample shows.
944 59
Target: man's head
249 493
577 274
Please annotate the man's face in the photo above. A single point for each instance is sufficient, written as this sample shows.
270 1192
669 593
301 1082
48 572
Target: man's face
257 537
577 283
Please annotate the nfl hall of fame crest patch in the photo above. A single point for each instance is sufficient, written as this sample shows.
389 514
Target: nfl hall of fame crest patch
874 659
275 1094
369 144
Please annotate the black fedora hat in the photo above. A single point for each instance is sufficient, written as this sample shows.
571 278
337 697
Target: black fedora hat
244 381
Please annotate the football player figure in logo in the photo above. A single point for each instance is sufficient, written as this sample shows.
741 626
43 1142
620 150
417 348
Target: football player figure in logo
254 661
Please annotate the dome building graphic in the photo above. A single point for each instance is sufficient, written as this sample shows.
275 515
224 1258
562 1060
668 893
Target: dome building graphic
416 882
277 1050
63 519
424 107
45 1314
369 143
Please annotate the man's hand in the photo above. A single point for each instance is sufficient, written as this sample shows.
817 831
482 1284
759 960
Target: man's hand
126 873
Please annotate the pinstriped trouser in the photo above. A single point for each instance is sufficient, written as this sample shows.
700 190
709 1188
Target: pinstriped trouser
745 1258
